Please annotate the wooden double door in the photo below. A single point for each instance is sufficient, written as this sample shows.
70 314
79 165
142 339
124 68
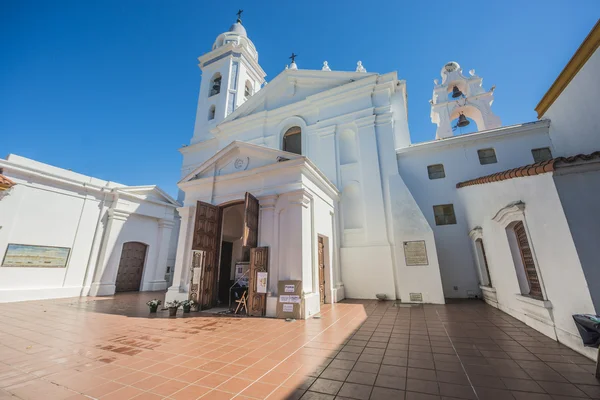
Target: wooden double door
131 267
206 246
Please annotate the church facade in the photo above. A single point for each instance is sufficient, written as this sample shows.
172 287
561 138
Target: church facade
313 179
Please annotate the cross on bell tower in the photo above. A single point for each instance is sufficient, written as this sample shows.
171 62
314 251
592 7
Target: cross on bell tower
239 16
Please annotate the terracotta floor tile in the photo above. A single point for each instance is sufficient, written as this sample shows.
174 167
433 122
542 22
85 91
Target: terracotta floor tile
235 385
168 388
125 393
259 390
212 380
191 392
218 395
103 390
150 382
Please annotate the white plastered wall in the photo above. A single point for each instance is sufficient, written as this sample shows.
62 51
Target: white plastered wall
459 156
555 254
50 206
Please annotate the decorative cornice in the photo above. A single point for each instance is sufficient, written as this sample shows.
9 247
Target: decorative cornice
268 202
166 223
299 198
510 213
365 121
476 233
584 52
520 129
118 215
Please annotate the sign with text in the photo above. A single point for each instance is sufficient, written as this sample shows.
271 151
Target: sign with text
261 282
415 253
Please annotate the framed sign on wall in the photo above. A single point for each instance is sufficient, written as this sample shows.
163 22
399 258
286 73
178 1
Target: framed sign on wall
31 256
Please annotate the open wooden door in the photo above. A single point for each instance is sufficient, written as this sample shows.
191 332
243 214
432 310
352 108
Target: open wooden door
250 238
257 302
205 246
321 271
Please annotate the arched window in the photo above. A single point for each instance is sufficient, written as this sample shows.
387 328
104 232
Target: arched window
248 90
211 112
292 140
215 84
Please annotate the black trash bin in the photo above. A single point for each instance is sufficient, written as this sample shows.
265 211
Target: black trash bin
589 329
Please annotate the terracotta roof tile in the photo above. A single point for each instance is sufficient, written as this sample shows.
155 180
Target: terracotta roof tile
529 170
5 182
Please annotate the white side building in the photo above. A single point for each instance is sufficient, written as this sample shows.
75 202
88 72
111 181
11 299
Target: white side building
63 234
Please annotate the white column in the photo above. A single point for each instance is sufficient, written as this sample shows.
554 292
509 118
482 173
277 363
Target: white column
266 236
156 281
110 255
184 247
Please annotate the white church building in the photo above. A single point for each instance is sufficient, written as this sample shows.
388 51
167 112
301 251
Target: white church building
318 166
313 179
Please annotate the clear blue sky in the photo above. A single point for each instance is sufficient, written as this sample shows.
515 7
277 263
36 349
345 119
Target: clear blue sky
109 88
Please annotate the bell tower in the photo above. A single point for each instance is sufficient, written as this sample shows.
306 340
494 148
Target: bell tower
230 76
461 97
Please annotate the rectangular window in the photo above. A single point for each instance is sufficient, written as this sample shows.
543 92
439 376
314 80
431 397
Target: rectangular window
542 154
487 156
535 289
444 214
436 171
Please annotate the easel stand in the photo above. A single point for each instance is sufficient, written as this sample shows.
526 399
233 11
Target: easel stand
241 304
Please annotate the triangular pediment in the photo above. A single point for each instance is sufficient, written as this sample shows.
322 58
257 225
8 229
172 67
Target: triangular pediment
238 157
149 193
292 86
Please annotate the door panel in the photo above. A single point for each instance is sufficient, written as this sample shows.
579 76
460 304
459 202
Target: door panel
207 231
257 302
131 267
250 238
321 271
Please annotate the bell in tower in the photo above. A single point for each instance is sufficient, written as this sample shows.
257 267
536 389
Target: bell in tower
461 98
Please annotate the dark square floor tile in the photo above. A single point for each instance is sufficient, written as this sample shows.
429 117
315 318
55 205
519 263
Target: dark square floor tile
355 391
540 375
487 381
418 355
379 393
335 374
366 367
316 396
458 391
377 345
397 361
591 390
326 386
352 349
342 364
459 378
493 394
421 396
531 396
420 373
421 363
344 355
390 381
421 386
364 378
447 366
393 370
561 388
522 385
372 358
373 350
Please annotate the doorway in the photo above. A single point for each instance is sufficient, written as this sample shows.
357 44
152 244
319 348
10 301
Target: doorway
223 237
131 267
321 270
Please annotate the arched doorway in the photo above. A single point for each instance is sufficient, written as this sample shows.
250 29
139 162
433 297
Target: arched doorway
131 267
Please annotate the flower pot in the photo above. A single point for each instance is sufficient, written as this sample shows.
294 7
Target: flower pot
172 311
153 308
187 309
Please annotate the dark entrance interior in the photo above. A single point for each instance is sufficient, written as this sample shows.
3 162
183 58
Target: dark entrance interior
225 279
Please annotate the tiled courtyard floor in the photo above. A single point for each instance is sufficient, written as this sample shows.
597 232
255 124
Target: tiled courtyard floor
109 348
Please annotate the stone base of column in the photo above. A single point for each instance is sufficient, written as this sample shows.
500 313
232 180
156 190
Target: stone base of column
153 286
175 294
102 289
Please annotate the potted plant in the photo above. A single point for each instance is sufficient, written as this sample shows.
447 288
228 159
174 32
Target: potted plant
187 305
153 304
173 306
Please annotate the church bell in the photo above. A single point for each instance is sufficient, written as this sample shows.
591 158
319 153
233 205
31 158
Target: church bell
462 120
456 92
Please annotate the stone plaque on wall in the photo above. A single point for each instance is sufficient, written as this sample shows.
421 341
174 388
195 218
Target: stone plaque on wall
415 253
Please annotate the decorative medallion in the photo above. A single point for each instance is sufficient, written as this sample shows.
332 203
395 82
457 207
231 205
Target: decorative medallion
241 163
